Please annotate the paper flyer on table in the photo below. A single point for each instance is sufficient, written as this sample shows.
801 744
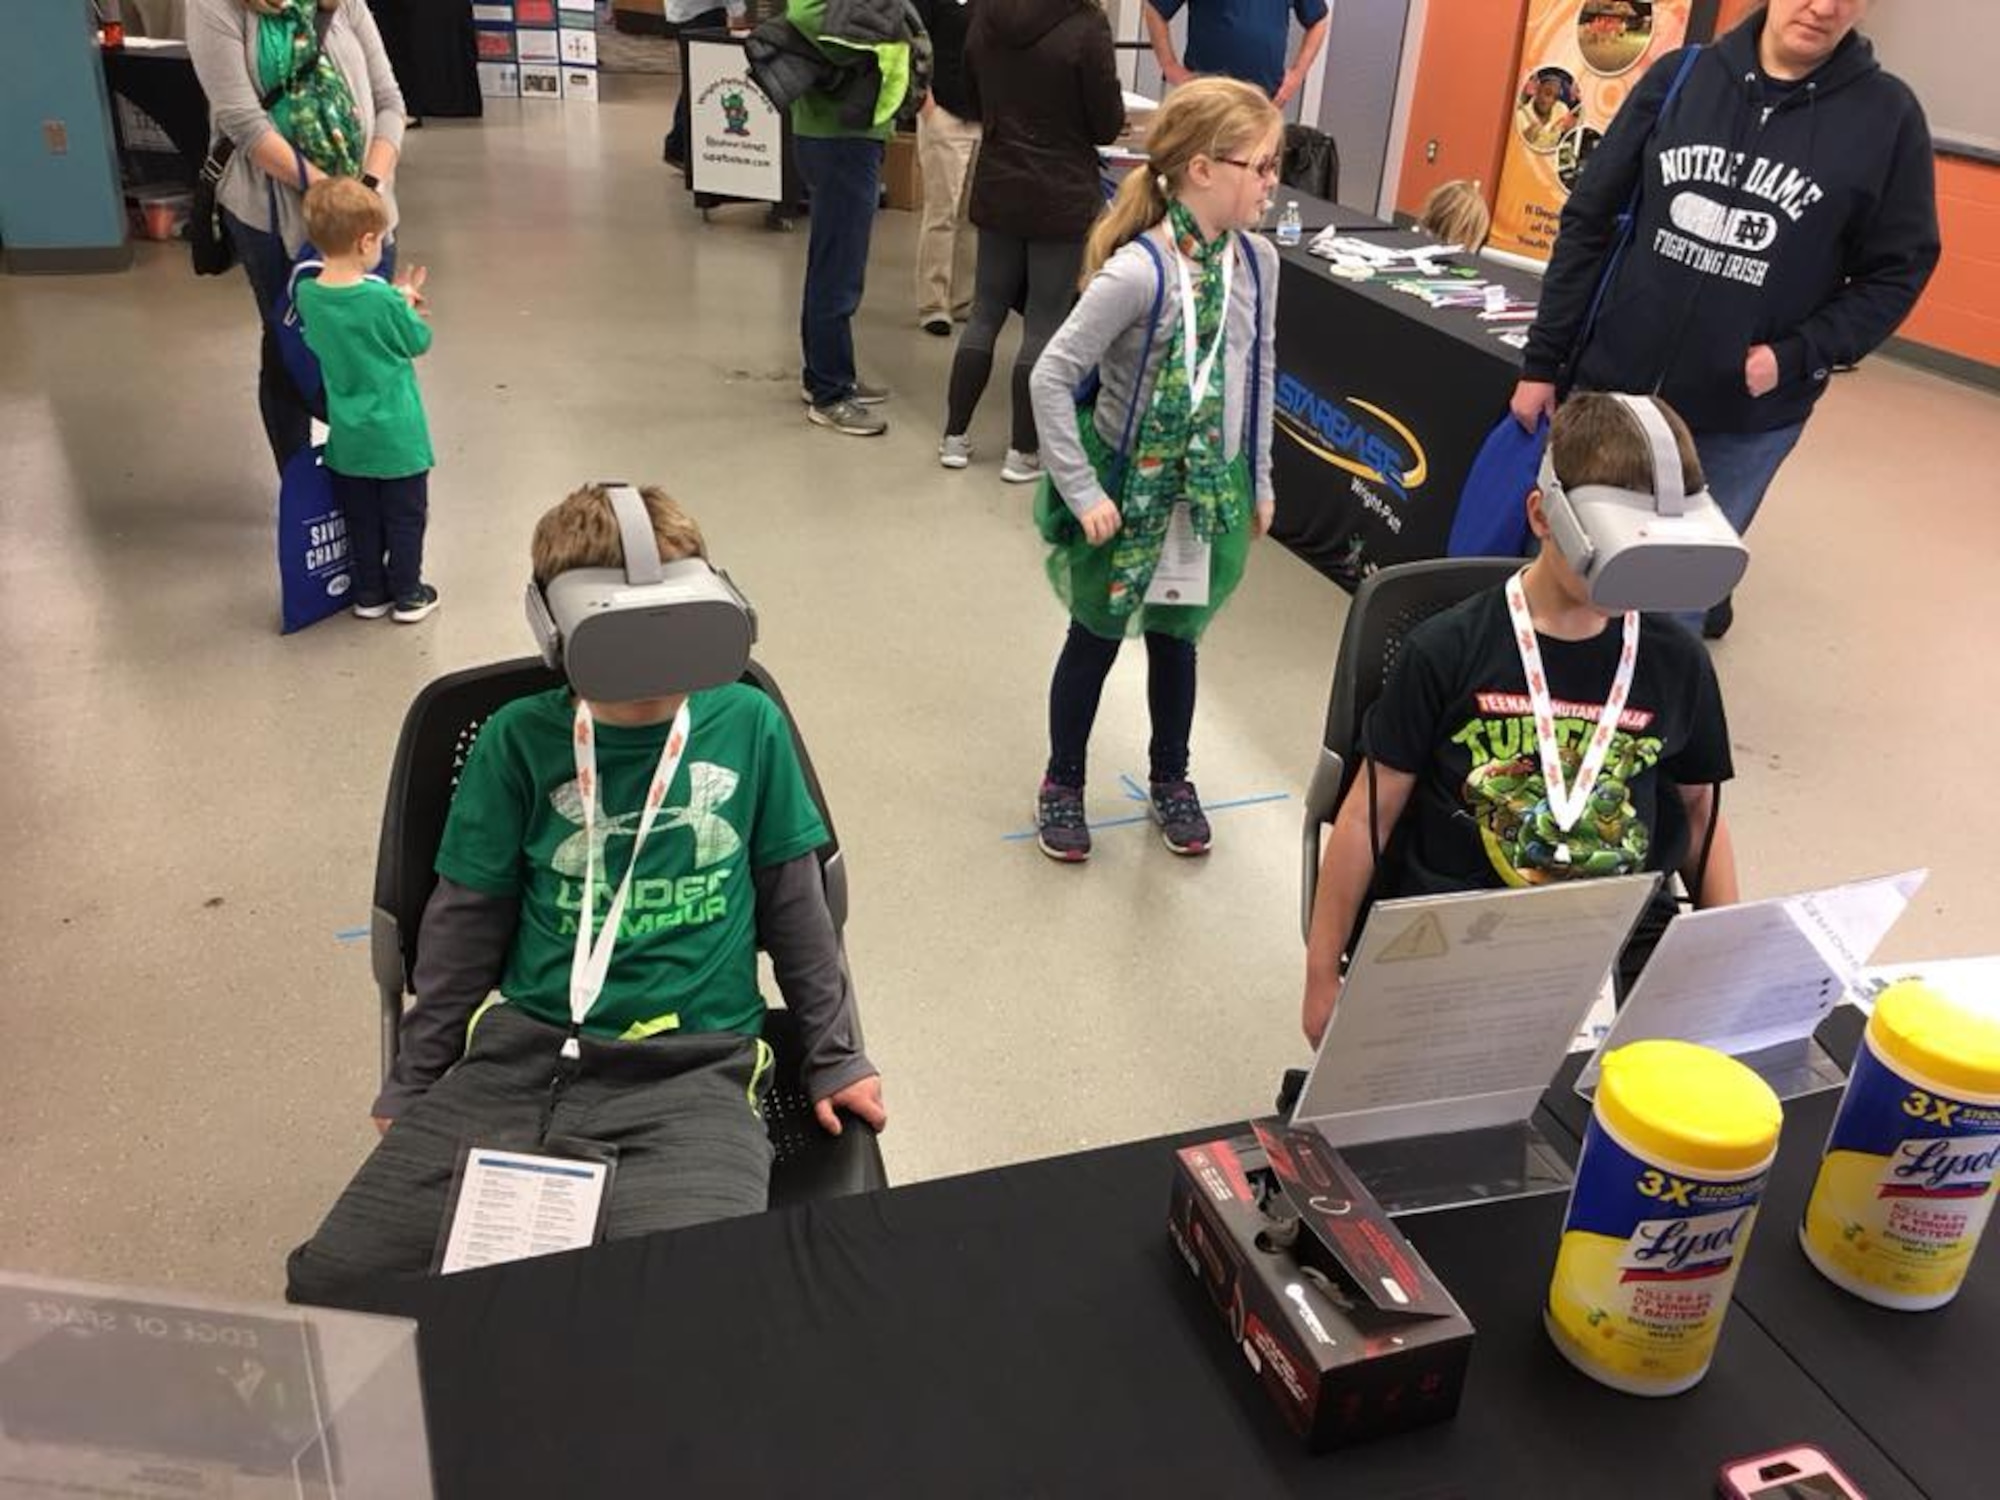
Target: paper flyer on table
1761 973
1458 1010
1972 982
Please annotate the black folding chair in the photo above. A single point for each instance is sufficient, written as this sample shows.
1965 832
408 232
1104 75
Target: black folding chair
1387 607
438 732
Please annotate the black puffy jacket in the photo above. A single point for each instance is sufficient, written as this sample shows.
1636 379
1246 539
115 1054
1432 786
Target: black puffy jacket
1042 78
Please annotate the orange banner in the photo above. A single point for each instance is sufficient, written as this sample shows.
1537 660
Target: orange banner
1580 61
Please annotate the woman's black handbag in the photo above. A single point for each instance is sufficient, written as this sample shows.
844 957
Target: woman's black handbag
208 238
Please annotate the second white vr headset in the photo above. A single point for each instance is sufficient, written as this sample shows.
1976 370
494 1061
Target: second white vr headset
1665 551
652 629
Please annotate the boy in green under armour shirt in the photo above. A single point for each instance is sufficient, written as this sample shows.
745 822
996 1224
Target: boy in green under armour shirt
673 1068
367 334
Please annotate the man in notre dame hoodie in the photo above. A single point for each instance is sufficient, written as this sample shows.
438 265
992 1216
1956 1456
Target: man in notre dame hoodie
1786 224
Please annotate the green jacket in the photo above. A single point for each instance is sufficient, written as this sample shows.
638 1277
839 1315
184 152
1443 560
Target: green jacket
818 114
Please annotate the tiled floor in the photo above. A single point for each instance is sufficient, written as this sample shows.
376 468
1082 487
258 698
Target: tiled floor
190 801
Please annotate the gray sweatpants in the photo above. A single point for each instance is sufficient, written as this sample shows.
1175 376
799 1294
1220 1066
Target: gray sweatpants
682 1111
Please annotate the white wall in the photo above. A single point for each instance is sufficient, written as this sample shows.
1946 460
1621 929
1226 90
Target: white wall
1948 51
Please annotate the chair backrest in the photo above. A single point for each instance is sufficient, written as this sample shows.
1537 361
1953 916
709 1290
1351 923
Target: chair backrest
438 732
1387 607
1390 604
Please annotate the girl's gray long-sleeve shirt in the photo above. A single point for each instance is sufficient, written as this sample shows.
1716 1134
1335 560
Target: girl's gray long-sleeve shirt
1106 331
466 935
222 42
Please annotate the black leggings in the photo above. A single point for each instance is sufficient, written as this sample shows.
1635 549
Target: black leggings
1038 276
1078 684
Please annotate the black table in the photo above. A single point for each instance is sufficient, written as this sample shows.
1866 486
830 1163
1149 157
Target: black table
161 82
1027 1331
1316 214
1382 405
431 48
1913 1379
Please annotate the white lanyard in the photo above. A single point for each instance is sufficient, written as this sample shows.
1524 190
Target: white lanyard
1567 802
593 959
1198 378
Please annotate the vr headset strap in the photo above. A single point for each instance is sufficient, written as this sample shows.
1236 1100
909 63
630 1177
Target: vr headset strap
1669 483
635 531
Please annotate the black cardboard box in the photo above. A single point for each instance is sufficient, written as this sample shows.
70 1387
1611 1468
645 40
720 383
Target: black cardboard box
1351 1334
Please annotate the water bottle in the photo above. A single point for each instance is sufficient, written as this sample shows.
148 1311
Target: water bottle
1290 229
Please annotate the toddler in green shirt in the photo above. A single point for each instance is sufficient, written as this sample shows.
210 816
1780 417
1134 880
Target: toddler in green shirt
366 334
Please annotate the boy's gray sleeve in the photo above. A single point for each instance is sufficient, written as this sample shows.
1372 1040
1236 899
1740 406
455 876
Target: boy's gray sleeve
795 927
466 935
1118 297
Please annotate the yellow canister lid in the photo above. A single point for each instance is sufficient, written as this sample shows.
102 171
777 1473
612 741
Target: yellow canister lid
1952 1045
1689 1105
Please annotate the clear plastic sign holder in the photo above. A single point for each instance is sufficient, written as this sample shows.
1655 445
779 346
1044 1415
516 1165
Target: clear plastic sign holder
1755 980
115 1391
1456 1014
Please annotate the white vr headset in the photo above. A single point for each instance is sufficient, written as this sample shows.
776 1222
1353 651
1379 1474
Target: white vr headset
652 629
1665 551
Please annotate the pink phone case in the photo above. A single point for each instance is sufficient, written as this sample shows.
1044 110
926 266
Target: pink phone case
1818 1475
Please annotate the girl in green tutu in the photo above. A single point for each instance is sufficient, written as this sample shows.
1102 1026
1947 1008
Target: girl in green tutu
1156 485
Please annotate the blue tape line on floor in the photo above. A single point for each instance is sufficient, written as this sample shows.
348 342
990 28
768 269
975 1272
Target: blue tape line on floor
1134 793
350 935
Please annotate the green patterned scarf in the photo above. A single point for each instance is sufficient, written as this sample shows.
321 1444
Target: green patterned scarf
1179 452
316 111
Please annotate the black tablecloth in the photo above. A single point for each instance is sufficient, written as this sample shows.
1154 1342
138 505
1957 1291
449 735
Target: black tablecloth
1382 404
1316 214
430 46
1915 1380
1026 1331
163 85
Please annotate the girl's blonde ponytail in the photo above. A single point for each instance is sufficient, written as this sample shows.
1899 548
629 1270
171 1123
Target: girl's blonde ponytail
1139 205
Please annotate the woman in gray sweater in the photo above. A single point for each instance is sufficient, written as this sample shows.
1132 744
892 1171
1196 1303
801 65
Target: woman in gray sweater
303 89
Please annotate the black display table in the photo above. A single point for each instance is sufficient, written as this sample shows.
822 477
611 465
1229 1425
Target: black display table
160 81
431 47
1382 405
1028 1331
1316 214
1910 1378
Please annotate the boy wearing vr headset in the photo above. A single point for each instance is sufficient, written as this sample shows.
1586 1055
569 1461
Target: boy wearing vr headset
1467 790
588 964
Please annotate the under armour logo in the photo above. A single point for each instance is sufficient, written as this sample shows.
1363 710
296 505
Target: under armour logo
709 787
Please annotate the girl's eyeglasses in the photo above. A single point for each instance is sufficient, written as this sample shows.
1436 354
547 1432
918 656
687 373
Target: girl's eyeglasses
1264 166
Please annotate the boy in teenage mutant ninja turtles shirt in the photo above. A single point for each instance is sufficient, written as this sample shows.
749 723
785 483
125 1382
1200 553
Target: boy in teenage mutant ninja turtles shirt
1463 800
672 1069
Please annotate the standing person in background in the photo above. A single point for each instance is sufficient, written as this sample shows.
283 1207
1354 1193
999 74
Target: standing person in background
1044 78
838 133
947 143
696 15
1786 225
1177 438
304 90
1240 39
